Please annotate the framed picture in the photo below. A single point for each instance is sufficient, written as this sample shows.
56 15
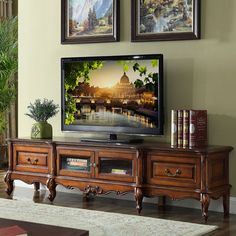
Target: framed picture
86 21
157 20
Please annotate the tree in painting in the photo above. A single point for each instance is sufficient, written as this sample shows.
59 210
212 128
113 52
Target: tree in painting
161 16
76 74
90 17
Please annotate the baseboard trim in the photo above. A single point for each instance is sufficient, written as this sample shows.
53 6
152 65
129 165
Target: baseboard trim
233 205
215 205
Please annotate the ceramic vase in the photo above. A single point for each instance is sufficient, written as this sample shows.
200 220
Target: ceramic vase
41 130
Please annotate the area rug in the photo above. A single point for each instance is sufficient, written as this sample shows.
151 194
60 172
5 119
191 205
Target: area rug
98 223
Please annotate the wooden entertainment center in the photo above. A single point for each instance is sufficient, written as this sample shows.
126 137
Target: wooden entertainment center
147 169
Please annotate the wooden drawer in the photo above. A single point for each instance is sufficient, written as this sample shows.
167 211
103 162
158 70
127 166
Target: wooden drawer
179 171
31 158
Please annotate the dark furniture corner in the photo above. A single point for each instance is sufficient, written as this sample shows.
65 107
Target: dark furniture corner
36 229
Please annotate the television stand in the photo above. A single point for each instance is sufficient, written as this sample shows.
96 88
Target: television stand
113 139
146 169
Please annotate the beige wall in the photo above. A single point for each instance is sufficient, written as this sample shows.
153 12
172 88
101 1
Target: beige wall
198 74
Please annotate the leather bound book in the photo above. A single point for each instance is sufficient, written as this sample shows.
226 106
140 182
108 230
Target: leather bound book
185 128
12 231
180 128
197 128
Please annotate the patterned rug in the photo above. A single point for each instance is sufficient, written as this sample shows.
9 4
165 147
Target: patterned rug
98 223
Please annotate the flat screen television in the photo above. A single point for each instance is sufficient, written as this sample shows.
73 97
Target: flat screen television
113 94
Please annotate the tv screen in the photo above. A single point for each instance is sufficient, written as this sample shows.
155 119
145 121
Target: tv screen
113 94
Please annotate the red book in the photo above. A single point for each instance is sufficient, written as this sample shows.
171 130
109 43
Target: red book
185 128
180 128
12 231
197 128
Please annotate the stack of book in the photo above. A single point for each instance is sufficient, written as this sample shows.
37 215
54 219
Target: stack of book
119 171
77 163
188 128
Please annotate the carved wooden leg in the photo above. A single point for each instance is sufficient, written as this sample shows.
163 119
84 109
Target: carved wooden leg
36 196
139 199
36 186
161 201
9 183
87 196
51 185
205 200
226 204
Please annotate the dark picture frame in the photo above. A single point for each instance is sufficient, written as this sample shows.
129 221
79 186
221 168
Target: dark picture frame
80 27
165 21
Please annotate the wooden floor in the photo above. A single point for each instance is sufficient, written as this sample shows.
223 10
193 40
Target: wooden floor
227 226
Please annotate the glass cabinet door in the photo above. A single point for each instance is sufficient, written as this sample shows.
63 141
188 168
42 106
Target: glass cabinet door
119 166
76 163
116 166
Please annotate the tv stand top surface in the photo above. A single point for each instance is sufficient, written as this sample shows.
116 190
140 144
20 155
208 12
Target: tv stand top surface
114 141
145 145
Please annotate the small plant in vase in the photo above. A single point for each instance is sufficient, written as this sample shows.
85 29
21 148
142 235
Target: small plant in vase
41 111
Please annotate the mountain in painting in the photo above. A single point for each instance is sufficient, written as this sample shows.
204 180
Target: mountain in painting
104 7
101 7
109 11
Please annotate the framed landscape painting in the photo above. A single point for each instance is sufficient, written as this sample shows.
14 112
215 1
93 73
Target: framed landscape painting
89 21
157 20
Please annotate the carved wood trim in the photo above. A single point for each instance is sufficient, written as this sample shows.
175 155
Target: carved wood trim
138 193
116 192
9 183
51 185
69 187
92 190
105 192
205 201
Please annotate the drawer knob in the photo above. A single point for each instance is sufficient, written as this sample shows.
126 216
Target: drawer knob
32 162
177 173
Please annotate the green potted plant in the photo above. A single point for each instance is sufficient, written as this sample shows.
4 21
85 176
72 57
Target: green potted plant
8 70
41 111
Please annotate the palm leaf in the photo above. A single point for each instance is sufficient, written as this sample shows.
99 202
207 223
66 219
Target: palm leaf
8 65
